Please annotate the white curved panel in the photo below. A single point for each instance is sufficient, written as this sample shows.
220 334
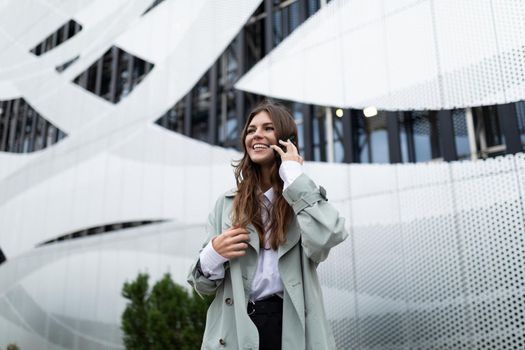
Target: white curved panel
411 265
23 22
8 91
97 10
168 24
399 55
130 182
418 232
71 108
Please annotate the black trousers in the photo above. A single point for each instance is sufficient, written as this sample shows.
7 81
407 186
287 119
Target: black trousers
267 315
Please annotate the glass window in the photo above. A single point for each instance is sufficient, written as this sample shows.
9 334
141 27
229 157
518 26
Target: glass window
297 112
373 139
489 137
406 137
425 134
313 6
126 80
123 86
318 136
493 133
520 110
339 151
459 121
106 74
278 35
378 139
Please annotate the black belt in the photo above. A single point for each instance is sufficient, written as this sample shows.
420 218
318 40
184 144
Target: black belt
270 305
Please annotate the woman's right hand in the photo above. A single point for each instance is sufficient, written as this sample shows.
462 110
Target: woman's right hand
232 243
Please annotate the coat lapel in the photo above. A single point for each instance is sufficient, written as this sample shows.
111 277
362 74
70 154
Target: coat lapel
254 238
292 238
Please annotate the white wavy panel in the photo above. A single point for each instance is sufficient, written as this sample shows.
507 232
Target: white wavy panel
25 339
410 55
421 257
52 94
334 177
173 77
56 290
423 174
372 179
11 162
155 36
97 10
23 22
203 40
174 178
364 70
399 55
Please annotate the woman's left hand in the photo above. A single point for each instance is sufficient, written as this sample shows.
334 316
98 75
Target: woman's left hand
291 151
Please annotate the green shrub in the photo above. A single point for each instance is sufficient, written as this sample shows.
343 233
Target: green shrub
163 318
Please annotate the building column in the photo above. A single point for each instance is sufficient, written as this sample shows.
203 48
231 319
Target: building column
240 107
187 114
114 72
508 121
447 136
212 111
348 136
394 141
307 130
329 134
268 26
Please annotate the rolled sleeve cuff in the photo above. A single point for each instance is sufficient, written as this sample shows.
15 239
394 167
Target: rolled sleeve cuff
289 171
211 263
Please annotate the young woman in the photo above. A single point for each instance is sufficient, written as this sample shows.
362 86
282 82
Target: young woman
265 240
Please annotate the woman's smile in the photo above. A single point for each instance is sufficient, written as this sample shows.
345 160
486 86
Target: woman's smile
260 134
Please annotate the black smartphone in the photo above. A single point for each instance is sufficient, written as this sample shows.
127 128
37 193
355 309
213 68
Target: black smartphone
292 139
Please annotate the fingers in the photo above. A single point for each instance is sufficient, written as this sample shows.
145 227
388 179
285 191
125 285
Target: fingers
278 150
232 243
290 147
237 232
291 151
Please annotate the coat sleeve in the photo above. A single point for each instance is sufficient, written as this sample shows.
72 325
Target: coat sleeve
201 284
321 225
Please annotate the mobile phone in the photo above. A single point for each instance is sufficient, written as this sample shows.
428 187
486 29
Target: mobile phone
292 139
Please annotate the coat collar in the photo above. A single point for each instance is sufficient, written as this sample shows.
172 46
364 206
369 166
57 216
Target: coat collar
230 193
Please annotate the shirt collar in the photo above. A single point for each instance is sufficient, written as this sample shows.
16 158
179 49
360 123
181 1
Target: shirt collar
269 194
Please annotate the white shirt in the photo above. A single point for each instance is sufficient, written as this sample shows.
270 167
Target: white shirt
267 280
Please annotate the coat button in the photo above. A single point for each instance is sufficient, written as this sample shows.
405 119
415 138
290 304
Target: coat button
222 342
228 301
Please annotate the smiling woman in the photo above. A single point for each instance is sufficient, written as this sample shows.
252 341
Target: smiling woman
265 240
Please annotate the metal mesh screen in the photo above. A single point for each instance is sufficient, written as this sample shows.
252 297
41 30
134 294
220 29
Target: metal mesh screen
436 258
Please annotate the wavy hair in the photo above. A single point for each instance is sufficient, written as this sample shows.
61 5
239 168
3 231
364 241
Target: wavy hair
248 201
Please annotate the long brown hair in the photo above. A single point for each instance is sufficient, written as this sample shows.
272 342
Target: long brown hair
248 201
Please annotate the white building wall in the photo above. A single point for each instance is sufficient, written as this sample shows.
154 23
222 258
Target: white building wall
400 55
432 246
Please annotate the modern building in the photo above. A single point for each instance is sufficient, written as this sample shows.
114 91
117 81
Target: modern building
119 121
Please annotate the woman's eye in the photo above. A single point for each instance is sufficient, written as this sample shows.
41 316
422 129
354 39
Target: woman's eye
269 128
250 131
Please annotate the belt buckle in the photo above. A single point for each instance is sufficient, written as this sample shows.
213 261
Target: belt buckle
253 307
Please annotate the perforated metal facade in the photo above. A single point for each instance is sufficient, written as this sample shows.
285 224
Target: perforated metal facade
436 258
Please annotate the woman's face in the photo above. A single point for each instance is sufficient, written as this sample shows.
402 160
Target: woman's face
259 136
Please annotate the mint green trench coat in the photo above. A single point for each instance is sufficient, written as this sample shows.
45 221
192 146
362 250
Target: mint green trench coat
316 228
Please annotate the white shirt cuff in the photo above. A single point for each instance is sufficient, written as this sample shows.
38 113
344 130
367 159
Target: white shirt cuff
212 263
289 171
